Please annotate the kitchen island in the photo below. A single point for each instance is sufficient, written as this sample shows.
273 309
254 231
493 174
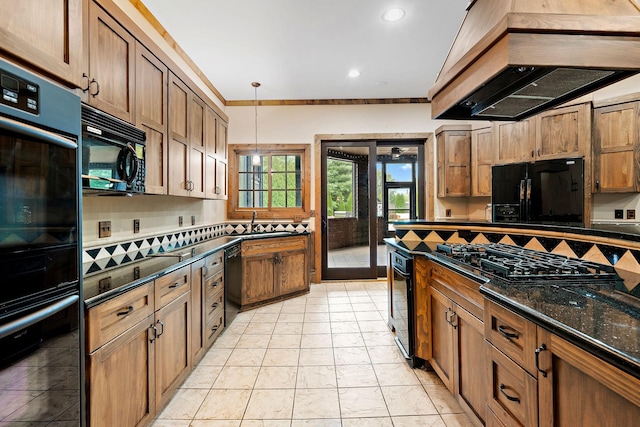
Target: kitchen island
542 342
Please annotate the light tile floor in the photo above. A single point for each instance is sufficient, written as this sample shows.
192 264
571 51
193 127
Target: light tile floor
325 359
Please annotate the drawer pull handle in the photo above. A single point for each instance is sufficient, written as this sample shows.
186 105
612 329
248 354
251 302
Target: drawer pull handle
214 305
127 311
216 283
508 335
215 328
511 398
175 285
161 332
538 351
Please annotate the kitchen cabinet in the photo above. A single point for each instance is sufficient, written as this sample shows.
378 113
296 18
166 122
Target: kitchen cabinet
186 159
45 35
138 350
513 142
457 338
151 116
274 268
577 388
453 145
563 132
216 156
120 361
111 65
537 378
207 296
481 159
616 148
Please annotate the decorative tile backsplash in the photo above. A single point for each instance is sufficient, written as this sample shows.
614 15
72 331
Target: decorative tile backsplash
100 258
625 261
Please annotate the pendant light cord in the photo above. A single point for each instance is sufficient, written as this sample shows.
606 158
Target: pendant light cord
256 85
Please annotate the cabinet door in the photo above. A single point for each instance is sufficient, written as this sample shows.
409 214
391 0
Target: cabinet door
178 167
581 390
563 132
173 344
198 341
258 278
292 272
421 309
454 160
222 160
151 116
111 64
441 337
616 145
47 35
121 379
481 157
197 161
210 136
471 378
513 142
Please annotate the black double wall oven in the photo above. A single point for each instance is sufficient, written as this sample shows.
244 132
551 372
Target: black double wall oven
40 291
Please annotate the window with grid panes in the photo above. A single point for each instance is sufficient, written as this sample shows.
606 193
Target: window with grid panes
275 188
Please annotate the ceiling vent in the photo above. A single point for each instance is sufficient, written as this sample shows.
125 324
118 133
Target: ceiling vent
514 58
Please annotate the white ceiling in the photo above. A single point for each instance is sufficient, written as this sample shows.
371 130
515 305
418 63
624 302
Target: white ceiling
303 49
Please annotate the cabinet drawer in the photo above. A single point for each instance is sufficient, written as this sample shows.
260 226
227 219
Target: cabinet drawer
278 244
213 285
214 326
113 317
512 334
172 285
512 393
213 304
213 264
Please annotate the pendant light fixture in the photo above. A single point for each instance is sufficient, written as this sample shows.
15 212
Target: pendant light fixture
256 161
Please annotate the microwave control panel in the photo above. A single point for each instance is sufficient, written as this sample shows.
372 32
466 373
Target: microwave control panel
19 93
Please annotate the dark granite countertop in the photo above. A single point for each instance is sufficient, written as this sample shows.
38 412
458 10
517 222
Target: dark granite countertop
602 321
106 285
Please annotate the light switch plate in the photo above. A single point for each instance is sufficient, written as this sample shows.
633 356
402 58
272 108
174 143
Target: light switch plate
104 229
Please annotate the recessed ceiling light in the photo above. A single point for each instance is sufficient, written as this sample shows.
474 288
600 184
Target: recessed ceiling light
354 73
393 15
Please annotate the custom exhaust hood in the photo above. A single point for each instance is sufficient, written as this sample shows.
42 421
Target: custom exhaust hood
514 58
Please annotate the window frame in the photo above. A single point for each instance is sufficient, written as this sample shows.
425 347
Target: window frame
294 213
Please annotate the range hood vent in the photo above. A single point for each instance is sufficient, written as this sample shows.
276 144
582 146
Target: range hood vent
514 58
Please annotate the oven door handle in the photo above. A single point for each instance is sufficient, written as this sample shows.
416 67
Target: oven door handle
37 316
34 132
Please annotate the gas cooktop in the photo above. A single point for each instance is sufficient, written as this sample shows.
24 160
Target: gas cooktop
517 265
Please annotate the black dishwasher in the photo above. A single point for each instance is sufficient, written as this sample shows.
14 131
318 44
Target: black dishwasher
232 282
402 305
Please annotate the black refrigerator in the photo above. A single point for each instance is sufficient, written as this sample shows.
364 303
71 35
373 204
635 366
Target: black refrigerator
544 192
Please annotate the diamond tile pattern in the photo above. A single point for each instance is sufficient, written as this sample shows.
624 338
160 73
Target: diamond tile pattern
608 254
97 259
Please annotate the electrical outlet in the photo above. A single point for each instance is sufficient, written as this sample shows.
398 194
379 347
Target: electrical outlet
297 218
618 214
193 220
136 225
104 229
104 284
447 213
136 273
180 221
631 214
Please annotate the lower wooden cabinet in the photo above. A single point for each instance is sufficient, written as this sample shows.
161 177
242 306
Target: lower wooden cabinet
563 386
457 338
274 268
121 378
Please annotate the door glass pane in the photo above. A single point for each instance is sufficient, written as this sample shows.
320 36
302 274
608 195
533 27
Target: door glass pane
399 205
399 172
348 213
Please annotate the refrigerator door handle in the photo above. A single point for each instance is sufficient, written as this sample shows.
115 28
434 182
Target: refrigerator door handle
528 201
523 205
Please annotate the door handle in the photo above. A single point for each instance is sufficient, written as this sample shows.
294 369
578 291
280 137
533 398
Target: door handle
161 332
538 351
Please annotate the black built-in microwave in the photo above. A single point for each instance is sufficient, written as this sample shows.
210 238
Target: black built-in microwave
113 154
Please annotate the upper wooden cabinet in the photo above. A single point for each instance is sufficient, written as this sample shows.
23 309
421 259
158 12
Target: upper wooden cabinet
151 116
513 142
216 156
111 65
563 132
47 35
453 144
197 147
481 161
616 142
